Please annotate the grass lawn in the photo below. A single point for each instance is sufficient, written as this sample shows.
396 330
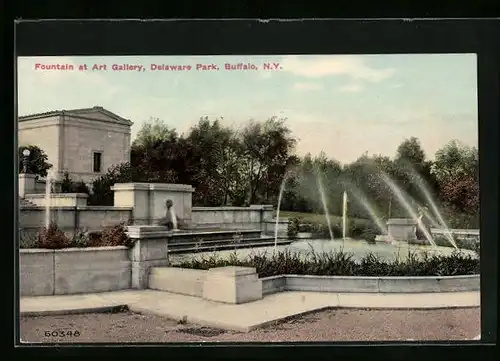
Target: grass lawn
317 217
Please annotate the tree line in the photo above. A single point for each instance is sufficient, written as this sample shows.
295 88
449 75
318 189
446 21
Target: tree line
245 166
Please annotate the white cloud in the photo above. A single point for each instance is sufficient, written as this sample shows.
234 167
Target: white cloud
320 66
306 86
351 88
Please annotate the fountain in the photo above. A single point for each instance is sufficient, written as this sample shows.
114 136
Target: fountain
423 188
344 215
48 185
403 201
325 207
174 219
280 196
361 198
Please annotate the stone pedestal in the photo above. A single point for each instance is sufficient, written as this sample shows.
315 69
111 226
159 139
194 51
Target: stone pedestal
232 285
148 200
26 184
402 229
270 227
150 250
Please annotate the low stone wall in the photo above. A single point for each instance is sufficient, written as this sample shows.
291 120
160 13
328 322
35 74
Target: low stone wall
252 217
349 284
74 270
178 280
69 219
59 199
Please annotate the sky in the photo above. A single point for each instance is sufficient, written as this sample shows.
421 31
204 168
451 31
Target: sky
344 105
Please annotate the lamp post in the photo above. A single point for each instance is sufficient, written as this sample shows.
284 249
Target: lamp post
26 154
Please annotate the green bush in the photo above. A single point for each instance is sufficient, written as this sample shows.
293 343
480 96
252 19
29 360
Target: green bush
369 235
115 236
342 264
54 238
68 186
293 227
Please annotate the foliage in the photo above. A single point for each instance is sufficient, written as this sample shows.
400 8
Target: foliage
102 194
457 170
293 227
69 186
37 161
115 236
153 131
55 238
341 264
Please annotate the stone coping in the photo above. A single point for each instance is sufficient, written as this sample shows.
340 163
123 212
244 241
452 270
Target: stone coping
78 208
75 249
371 284
153 186
401 221
455 231
253 207
57 195
232 271
148 232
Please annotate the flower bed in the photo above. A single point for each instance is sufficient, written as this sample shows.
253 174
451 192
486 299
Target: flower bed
342 264
54 238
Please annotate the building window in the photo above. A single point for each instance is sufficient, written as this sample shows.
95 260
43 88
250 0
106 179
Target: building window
97 165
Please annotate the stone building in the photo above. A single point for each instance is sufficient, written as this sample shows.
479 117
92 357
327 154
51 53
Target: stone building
82 142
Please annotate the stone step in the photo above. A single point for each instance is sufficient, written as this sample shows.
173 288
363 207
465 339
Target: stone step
215 242
250 243
209 235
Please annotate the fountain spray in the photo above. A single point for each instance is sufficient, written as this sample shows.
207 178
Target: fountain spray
404 202
48 183
280 196
174 218
424 190
344 215
323 200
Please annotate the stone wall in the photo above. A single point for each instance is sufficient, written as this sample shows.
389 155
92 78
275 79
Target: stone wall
252 217
46 272
69 219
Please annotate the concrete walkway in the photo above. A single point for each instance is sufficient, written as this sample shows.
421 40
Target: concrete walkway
244 317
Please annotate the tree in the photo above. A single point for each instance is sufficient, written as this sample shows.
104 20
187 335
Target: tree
37 161
218 152
413 168
268 146
154 131
102 195
410 150
156 153
456 168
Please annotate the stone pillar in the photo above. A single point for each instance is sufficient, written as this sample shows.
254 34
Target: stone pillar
402 229
135 196
148 200
150 250
26 184
232 285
